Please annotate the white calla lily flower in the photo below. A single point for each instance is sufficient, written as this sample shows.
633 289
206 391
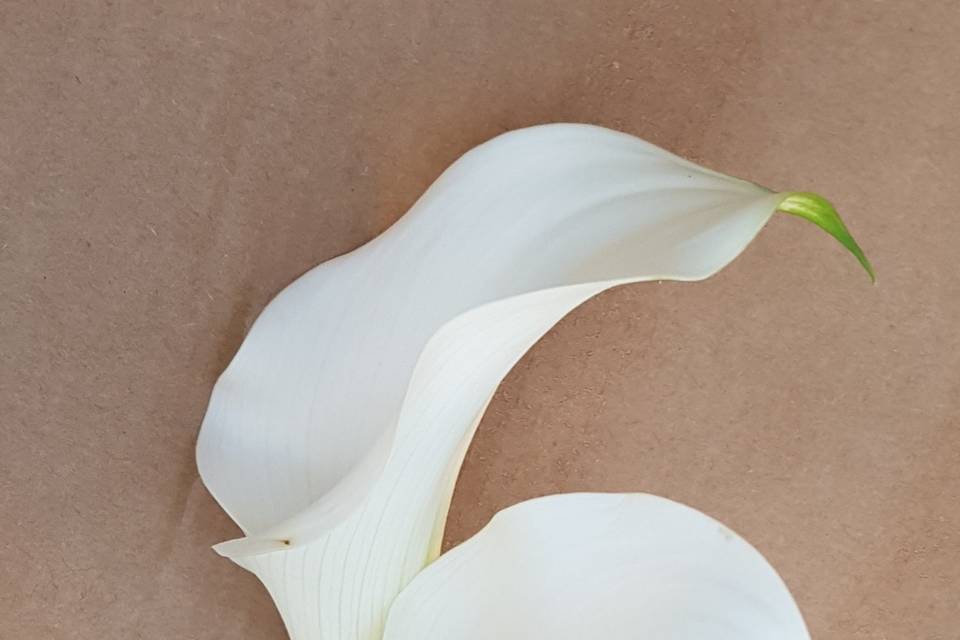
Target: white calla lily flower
335 436
613 566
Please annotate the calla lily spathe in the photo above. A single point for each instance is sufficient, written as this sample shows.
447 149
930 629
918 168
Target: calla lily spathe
612 566
335 436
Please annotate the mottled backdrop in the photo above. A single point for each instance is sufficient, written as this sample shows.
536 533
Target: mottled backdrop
166 167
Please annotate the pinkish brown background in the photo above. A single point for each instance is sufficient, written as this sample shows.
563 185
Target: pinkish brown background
165 168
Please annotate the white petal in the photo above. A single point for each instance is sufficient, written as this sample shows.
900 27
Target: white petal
335 436
611 566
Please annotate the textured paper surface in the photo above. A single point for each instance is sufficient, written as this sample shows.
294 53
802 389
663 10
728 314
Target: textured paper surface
166 168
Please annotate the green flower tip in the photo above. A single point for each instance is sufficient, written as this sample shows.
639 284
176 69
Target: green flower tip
820 212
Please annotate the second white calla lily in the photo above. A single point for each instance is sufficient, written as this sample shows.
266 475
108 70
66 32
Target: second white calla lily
335 436
614 567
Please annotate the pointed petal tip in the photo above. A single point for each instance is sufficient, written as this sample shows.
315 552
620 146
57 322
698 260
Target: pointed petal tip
819 211
251 546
